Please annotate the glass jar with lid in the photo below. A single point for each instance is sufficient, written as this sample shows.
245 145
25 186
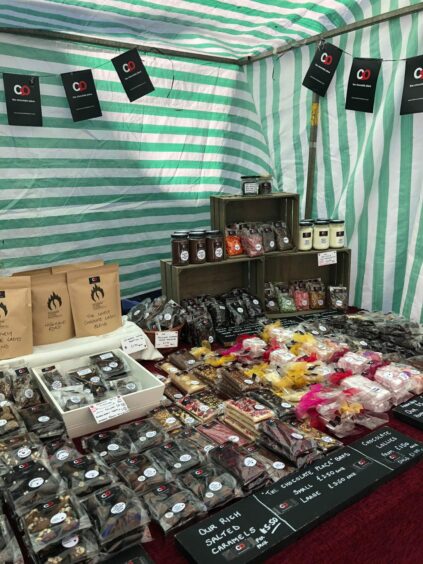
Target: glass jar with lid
321 234
214 245
197 247
180 248
337 233
305 235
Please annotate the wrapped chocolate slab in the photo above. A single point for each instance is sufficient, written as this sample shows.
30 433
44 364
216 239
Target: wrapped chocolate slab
109 365
141 473
110 445
54 379
80 547
25 389
18 449
10 421
53 520
119 517
233 381
85 475
166 420
207 374
372 395
176 455
173 393
90 377
43 420
203 408
58 451
125 386
5 386
187 382
185 417
250 473
288 442
275 467
220 433
212 485
325 442
172 506
73 398
145 434
183 360
30 483
282 409
197 440
10 551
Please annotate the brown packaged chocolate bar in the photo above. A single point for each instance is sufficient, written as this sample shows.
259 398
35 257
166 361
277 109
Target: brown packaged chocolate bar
15 317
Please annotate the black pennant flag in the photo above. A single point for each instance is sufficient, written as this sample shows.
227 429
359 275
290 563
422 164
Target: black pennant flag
412 94
362 84
133 74
322 68
81 94
23 99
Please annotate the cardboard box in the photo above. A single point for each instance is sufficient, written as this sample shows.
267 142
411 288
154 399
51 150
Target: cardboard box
80 421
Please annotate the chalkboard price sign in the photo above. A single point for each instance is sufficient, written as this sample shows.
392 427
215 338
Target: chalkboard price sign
411 412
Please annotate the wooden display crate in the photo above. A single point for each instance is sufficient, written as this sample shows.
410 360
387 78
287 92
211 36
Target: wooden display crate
213 278
279 206
303 265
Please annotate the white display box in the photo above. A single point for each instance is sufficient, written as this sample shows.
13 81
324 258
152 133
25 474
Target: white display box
80 421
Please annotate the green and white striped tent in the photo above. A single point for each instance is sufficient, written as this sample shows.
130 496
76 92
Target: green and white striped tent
117 186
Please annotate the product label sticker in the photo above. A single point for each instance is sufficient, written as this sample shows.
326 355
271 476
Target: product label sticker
91 474
134 344
249 461
185 458
297 436
150 472
178 507
215 486
118 508
109 409
70 542
170 420
62 454
58 518
166 339
106 356
278 465
233 438
151 434
36 483
24 452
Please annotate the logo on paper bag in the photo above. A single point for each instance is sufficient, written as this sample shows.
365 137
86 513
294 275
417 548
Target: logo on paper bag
3 308
54 302
97 293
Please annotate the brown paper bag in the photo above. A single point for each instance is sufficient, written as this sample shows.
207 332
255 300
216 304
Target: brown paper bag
95 300
38 272
15 317
51 310
64 268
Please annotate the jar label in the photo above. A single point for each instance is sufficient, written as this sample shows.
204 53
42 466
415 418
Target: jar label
184 256
201 254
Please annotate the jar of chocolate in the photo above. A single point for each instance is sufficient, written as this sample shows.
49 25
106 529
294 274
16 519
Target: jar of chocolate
180 248
214 245
197 247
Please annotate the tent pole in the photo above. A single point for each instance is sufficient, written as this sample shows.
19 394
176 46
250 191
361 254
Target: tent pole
76 38
314 122
407 10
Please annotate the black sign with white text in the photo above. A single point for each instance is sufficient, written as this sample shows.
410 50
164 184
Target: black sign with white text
412 95
411 412
23 100
362 84
268 520
322 68
81 94
133 74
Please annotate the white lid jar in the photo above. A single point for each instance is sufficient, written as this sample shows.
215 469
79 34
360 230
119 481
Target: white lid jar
321 234
337 233
305 236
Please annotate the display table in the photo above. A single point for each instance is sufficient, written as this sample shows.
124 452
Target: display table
383 527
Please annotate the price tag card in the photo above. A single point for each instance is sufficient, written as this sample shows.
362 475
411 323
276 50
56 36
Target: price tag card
166 339
134 344
109 409
323 259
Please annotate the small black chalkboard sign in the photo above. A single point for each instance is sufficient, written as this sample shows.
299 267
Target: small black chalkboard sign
411 412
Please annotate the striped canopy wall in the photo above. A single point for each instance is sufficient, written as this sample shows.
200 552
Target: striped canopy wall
117 186
369 166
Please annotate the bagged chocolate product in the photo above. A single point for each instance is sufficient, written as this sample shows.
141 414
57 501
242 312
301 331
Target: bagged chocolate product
78 547
275 467
109 365
30 483
15 317
141 473
166 420
145 434
185 417
119 517
54 379
269 239
85 474
338 297
10 421
177 456
43 420
111 445
51 310
10 552
58 451
252 305
252 242
173 506
183 360
173 393
5 386
17 449
212 485
25 389
91 380
236 310
197 407
197 440
217 311
125 386
283 236
220 433
70 399
250 473
282 409
95 299
55 519
187 382
36 272
64 268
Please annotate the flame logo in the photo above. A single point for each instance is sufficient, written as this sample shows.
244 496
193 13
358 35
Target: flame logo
97 293
54 301
4 308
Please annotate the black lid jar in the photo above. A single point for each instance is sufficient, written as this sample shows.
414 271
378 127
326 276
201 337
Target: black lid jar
197 247
180 248
214 245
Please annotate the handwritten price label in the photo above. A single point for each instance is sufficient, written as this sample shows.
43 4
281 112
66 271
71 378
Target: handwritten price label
134 344
166 339
323 259
109 409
